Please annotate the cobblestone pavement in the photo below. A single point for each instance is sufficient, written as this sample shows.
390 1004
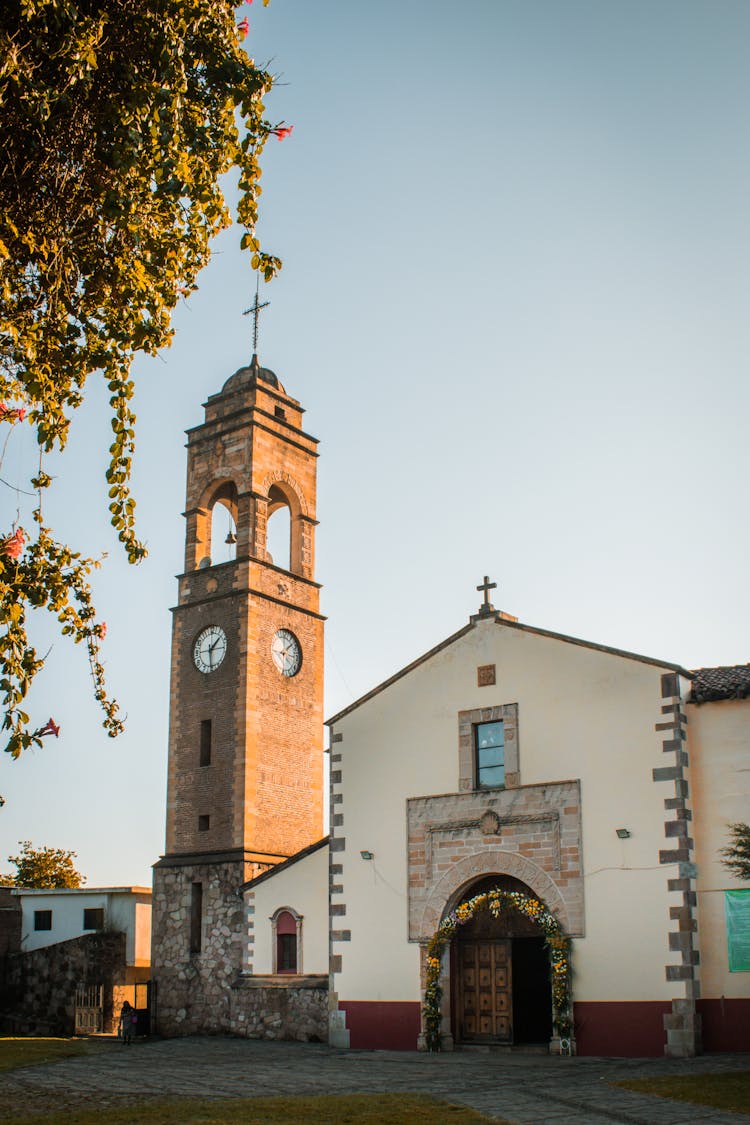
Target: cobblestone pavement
526 1089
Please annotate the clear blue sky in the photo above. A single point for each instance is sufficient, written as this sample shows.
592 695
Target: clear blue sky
514 305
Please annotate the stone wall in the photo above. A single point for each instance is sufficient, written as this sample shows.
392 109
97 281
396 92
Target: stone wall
194 985
38 994
10 922
204 991
287 1008
532 833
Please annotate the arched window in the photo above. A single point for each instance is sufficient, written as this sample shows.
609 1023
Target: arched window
279 529
286 927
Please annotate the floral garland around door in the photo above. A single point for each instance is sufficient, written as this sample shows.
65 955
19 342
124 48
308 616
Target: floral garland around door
496 901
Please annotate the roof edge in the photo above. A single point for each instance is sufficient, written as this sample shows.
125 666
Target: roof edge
506 623
286 863
81 890
398 675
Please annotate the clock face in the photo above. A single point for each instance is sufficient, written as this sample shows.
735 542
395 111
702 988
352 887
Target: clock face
210 648
286 652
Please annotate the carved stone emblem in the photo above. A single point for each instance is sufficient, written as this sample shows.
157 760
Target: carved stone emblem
490 823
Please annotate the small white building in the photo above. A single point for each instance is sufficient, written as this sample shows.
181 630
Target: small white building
53 916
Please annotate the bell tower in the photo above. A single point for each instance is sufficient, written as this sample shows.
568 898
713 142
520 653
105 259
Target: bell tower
245 777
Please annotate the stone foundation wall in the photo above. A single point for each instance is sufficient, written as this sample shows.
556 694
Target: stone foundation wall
39 987
10 922
292 1008
194 987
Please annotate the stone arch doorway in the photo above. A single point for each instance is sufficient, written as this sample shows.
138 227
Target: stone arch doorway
499 967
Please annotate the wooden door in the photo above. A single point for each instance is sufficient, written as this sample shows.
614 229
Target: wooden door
485 998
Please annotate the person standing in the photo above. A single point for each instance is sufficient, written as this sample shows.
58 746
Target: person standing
127 1023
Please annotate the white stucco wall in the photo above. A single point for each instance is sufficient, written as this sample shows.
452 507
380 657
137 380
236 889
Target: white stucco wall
126 909
303 887
720 792
582 713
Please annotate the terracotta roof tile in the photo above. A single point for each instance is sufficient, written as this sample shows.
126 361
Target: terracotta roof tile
713 684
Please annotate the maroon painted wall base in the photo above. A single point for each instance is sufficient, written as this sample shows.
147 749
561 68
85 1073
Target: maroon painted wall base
614 1028
622 1028
383 1025
726 1024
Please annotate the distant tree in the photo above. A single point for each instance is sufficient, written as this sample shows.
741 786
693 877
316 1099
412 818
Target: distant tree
118 122
43 868
736 856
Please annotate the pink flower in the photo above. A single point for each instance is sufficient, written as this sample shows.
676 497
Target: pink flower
103 630
12 412
12 545
243 27
282 131
50 727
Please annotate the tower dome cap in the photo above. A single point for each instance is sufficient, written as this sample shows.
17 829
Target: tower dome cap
246 376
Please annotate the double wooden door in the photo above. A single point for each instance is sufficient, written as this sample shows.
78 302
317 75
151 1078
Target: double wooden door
485 994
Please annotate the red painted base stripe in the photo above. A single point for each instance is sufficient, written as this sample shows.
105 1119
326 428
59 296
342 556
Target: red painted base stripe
725 1024
614 1028
382 1025
621 1028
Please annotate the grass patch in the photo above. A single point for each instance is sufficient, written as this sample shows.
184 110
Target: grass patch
15 1052
729 1090
351 1109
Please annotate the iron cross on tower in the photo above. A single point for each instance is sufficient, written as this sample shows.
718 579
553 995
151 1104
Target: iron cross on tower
255 310
487 606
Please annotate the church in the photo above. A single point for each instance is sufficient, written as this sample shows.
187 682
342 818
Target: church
525 827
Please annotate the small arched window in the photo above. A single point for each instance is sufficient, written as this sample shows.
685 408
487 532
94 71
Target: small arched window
287 935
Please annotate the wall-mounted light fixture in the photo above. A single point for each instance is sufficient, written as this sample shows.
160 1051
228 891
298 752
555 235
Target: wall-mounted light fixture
367 855
623 833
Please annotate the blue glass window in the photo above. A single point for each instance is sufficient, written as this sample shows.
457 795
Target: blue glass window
490 739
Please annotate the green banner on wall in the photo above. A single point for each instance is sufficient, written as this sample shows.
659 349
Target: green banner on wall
737 911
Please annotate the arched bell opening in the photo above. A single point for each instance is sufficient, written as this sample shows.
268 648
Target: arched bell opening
223 534
212 527
279 529
500 973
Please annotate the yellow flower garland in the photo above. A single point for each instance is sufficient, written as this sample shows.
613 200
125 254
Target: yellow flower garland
496 901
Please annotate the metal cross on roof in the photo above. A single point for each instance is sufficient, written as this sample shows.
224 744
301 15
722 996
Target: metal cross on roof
255 310
487 606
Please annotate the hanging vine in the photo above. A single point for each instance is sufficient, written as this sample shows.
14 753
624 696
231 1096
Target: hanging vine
119 122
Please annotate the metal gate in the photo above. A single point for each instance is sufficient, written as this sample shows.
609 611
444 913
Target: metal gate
89 1009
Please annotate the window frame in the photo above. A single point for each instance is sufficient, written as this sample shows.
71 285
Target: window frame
467 757
205 743
98 910
39 917
275 935
478 767
196 918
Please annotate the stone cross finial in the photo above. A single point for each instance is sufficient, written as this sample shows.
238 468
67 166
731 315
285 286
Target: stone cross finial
487 606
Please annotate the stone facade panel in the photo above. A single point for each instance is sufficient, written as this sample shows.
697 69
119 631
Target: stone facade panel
532 833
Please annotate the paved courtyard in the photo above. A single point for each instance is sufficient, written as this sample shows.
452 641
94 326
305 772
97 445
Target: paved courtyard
527 1089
